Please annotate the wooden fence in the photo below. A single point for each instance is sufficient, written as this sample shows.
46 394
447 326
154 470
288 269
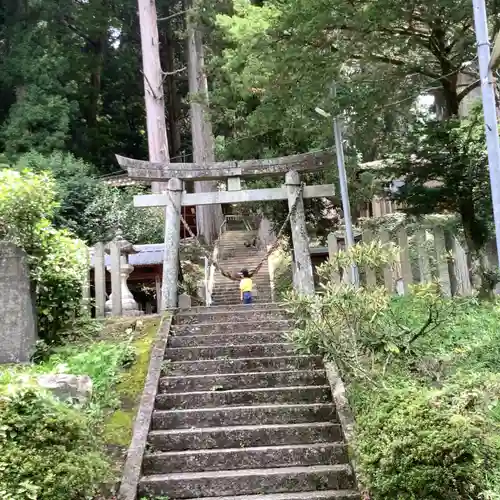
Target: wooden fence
425 255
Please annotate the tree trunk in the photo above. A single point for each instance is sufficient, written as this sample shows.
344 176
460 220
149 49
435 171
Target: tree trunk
173 96
153 87
208 218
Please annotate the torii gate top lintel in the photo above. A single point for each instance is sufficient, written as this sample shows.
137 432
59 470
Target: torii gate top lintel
145 170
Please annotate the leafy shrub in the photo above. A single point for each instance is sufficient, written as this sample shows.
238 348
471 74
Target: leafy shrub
283 277
356 326
58 277
57 261
102 362
76 186
113 208
48 450
423 382
413 443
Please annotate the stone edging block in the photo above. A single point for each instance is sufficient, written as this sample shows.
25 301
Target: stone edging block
133 464
344 412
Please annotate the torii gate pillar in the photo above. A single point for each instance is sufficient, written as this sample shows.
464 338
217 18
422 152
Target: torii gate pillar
172 243
303 266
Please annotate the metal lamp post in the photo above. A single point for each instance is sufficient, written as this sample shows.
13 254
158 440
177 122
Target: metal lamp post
344 192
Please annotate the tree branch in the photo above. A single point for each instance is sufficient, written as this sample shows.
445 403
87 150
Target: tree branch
400 63
80 33
468 89
171 73
171 16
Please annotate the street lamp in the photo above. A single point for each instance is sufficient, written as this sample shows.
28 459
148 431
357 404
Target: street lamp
344 192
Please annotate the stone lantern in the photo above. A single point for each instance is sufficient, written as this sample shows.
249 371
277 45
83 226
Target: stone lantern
129 306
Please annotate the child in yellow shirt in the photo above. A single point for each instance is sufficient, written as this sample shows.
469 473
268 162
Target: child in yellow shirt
246 287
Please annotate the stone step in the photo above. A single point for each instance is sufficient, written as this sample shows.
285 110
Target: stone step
242 365
236 294
229 289
239 263
244 397
247 481
211 329
248 326
230 381
298 495
228 352
242 436
261 277
244 415
235 301
228 316
230 338
235 290
245 458
236 308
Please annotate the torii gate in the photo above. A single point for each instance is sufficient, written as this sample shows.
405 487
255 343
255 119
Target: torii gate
232 172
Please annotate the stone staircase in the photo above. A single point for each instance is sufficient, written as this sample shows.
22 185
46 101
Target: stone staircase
234 257
239 415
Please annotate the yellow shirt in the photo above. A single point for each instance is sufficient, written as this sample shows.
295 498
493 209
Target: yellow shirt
246 285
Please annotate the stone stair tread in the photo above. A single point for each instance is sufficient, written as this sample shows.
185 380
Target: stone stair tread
204 309
244 396
222 339
281 456
247 380
247 472
299 495
244 310
231 345
229 428
249 322
227 375
248 481
257 414
209 366
254 390
228 435
279 346
214 451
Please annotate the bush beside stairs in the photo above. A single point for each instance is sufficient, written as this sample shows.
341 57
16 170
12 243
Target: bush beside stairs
240 416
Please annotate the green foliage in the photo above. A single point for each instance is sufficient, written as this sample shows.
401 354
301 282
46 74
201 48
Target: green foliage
75 184
283 275
445 168
38 121
192 275
356 326
113 209
422 374
48 451
57 262
58 274
118 426
26 200
101 361
51 450
423 444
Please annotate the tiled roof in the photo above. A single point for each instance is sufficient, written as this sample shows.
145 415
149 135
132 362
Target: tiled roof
147 255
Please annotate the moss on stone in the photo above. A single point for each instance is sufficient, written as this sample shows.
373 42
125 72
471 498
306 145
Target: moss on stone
118 426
